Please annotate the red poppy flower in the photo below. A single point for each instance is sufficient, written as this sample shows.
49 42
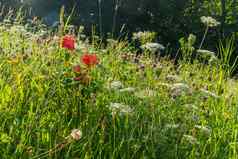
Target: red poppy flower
77 69
68 42
90 59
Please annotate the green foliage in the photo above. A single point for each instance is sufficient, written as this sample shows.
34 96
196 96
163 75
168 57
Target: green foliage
187 47
226 52
145 37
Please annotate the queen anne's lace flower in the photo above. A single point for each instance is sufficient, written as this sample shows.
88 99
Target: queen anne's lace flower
145 93
173 78
178 89
138 35
209 21
207 94
120 108
153 47
128 89
116 85
206 53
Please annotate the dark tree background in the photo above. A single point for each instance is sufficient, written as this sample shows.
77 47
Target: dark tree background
171 19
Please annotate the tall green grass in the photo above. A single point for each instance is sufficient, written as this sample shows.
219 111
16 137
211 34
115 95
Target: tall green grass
39 108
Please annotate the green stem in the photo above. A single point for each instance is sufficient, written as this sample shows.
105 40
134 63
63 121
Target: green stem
204 37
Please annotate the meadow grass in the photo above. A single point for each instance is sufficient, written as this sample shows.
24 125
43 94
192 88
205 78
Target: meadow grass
167 111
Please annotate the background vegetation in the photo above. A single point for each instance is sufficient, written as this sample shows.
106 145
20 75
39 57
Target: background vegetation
170 19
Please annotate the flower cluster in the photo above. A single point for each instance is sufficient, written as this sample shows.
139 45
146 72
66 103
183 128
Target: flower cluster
153 47
144 37
88 61
206 53
82 73
69 42
116 85
192 140
179 89
209 21
206 130
120 108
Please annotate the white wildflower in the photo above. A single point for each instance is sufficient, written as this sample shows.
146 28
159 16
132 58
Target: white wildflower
104 50
145 93
116 85
153 47
207 94
18 29
172 78
56 38
129 89
76 134
204 129
138 35
120 108
178 89
172 126
145 36
112 42
209 21
190 139
164 85
182 86
206 53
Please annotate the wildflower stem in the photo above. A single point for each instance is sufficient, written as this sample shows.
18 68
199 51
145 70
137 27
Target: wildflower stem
204 37
100 16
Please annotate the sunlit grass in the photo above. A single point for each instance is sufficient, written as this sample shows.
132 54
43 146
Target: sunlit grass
172 111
